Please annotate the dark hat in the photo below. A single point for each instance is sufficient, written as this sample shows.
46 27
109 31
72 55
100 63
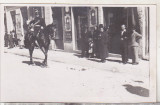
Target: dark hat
36 10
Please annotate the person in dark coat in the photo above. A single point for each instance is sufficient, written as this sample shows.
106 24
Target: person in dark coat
11 44
6 39
102 44
124 44
95 41
84 42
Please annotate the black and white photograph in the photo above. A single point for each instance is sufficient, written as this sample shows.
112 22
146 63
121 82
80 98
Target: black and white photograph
78 53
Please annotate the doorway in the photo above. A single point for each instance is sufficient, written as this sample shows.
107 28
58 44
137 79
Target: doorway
57 21
81 20
114 17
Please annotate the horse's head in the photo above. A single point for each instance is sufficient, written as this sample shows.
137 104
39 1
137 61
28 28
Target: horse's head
52 29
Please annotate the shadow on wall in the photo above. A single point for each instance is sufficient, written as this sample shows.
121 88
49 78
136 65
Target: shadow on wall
137 90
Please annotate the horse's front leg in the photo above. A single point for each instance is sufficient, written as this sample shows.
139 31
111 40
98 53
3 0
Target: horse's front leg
45 51
31 52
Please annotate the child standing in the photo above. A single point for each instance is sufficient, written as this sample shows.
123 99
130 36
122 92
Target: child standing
91 46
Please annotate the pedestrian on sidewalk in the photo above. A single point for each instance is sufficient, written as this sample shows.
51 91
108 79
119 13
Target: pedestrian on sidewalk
95 41
15 40
11 44
102 44
124 44
6 39
91 46
134 46
53 38
84 41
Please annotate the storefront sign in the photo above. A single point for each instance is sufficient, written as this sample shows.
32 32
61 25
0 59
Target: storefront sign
67 24
93 17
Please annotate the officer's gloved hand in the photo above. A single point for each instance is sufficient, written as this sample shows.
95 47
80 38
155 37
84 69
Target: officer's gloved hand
42 28
32 29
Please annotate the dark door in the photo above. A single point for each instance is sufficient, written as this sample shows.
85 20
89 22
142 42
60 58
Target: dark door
82 22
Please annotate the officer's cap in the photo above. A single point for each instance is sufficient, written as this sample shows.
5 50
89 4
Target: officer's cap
36 10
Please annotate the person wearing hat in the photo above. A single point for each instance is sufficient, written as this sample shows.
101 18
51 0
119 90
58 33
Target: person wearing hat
124 44
134 45
102 43
95 41
37 24
84 41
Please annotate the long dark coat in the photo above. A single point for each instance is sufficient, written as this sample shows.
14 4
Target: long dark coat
95 41
85 43
102 45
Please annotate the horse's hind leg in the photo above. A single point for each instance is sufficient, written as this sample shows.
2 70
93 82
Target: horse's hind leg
31 52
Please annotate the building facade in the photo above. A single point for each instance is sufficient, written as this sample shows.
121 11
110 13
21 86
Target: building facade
71 20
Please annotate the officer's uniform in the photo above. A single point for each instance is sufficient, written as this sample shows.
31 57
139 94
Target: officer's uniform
37 24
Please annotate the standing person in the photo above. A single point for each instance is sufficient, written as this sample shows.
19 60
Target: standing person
134 46
11 45
53 38
6 39
107 40
124 44
84 42
102 44
15 41
90 48
95 41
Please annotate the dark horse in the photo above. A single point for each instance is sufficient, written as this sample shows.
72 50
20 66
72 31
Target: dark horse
43 38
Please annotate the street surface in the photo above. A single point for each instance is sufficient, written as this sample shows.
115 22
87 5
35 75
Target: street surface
71 78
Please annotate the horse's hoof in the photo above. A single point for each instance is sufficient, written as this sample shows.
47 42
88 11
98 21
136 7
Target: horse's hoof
44 63
32 64
44 66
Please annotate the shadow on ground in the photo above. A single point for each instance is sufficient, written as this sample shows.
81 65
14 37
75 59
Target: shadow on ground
111 60
78 55
36 63
137 90
94 59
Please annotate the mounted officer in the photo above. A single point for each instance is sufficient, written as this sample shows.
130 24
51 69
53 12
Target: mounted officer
34 28
37 24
